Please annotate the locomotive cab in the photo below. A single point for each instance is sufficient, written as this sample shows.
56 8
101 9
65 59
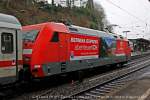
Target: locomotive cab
29 37
38 41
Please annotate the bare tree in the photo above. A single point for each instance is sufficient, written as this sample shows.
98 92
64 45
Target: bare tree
68 3
72 3
90 4
53 2
28 2
7 2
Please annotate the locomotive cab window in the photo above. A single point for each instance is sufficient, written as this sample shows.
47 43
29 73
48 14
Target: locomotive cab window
7 43
55 37
30 35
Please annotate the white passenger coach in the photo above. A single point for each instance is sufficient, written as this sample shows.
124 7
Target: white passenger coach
10 48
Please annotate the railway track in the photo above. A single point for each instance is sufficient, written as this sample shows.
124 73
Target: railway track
34 91
104 89
69 91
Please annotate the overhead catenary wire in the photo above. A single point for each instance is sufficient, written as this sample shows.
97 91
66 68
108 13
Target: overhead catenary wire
143 4
124 10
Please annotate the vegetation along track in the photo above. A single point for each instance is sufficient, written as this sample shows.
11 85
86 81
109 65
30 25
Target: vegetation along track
69 90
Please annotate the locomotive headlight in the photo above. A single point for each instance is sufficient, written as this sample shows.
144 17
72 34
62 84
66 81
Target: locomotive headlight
27 59
37 66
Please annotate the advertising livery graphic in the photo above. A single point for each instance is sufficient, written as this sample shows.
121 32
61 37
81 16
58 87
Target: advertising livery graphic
108 47
83 47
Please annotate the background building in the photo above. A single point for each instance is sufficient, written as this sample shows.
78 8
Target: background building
65 3
140 44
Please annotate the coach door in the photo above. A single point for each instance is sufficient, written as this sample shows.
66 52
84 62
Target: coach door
63 50
7 53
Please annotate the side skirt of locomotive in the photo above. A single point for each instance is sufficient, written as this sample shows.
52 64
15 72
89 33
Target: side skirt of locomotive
78 65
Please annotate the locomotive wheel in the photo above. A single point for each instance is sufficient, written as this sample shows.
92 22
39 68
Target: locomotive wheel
120 64
27 76
20 75
80 76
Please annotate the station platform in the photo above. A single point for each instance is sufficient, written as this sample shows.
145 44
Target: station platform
140 53
137 90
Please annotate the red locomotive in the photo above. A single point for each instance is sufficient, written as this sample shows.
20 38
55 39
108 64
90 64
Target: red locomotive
55 48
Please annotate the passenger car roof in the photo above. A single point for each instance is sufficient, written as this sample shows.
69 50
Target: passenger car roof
9 21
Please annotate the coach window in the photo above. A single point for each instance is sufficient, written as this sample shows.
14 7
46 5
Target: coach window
7 42
55 37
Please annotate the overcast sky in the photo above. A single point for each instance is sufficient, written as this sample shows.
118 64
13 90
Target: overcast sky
140 9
